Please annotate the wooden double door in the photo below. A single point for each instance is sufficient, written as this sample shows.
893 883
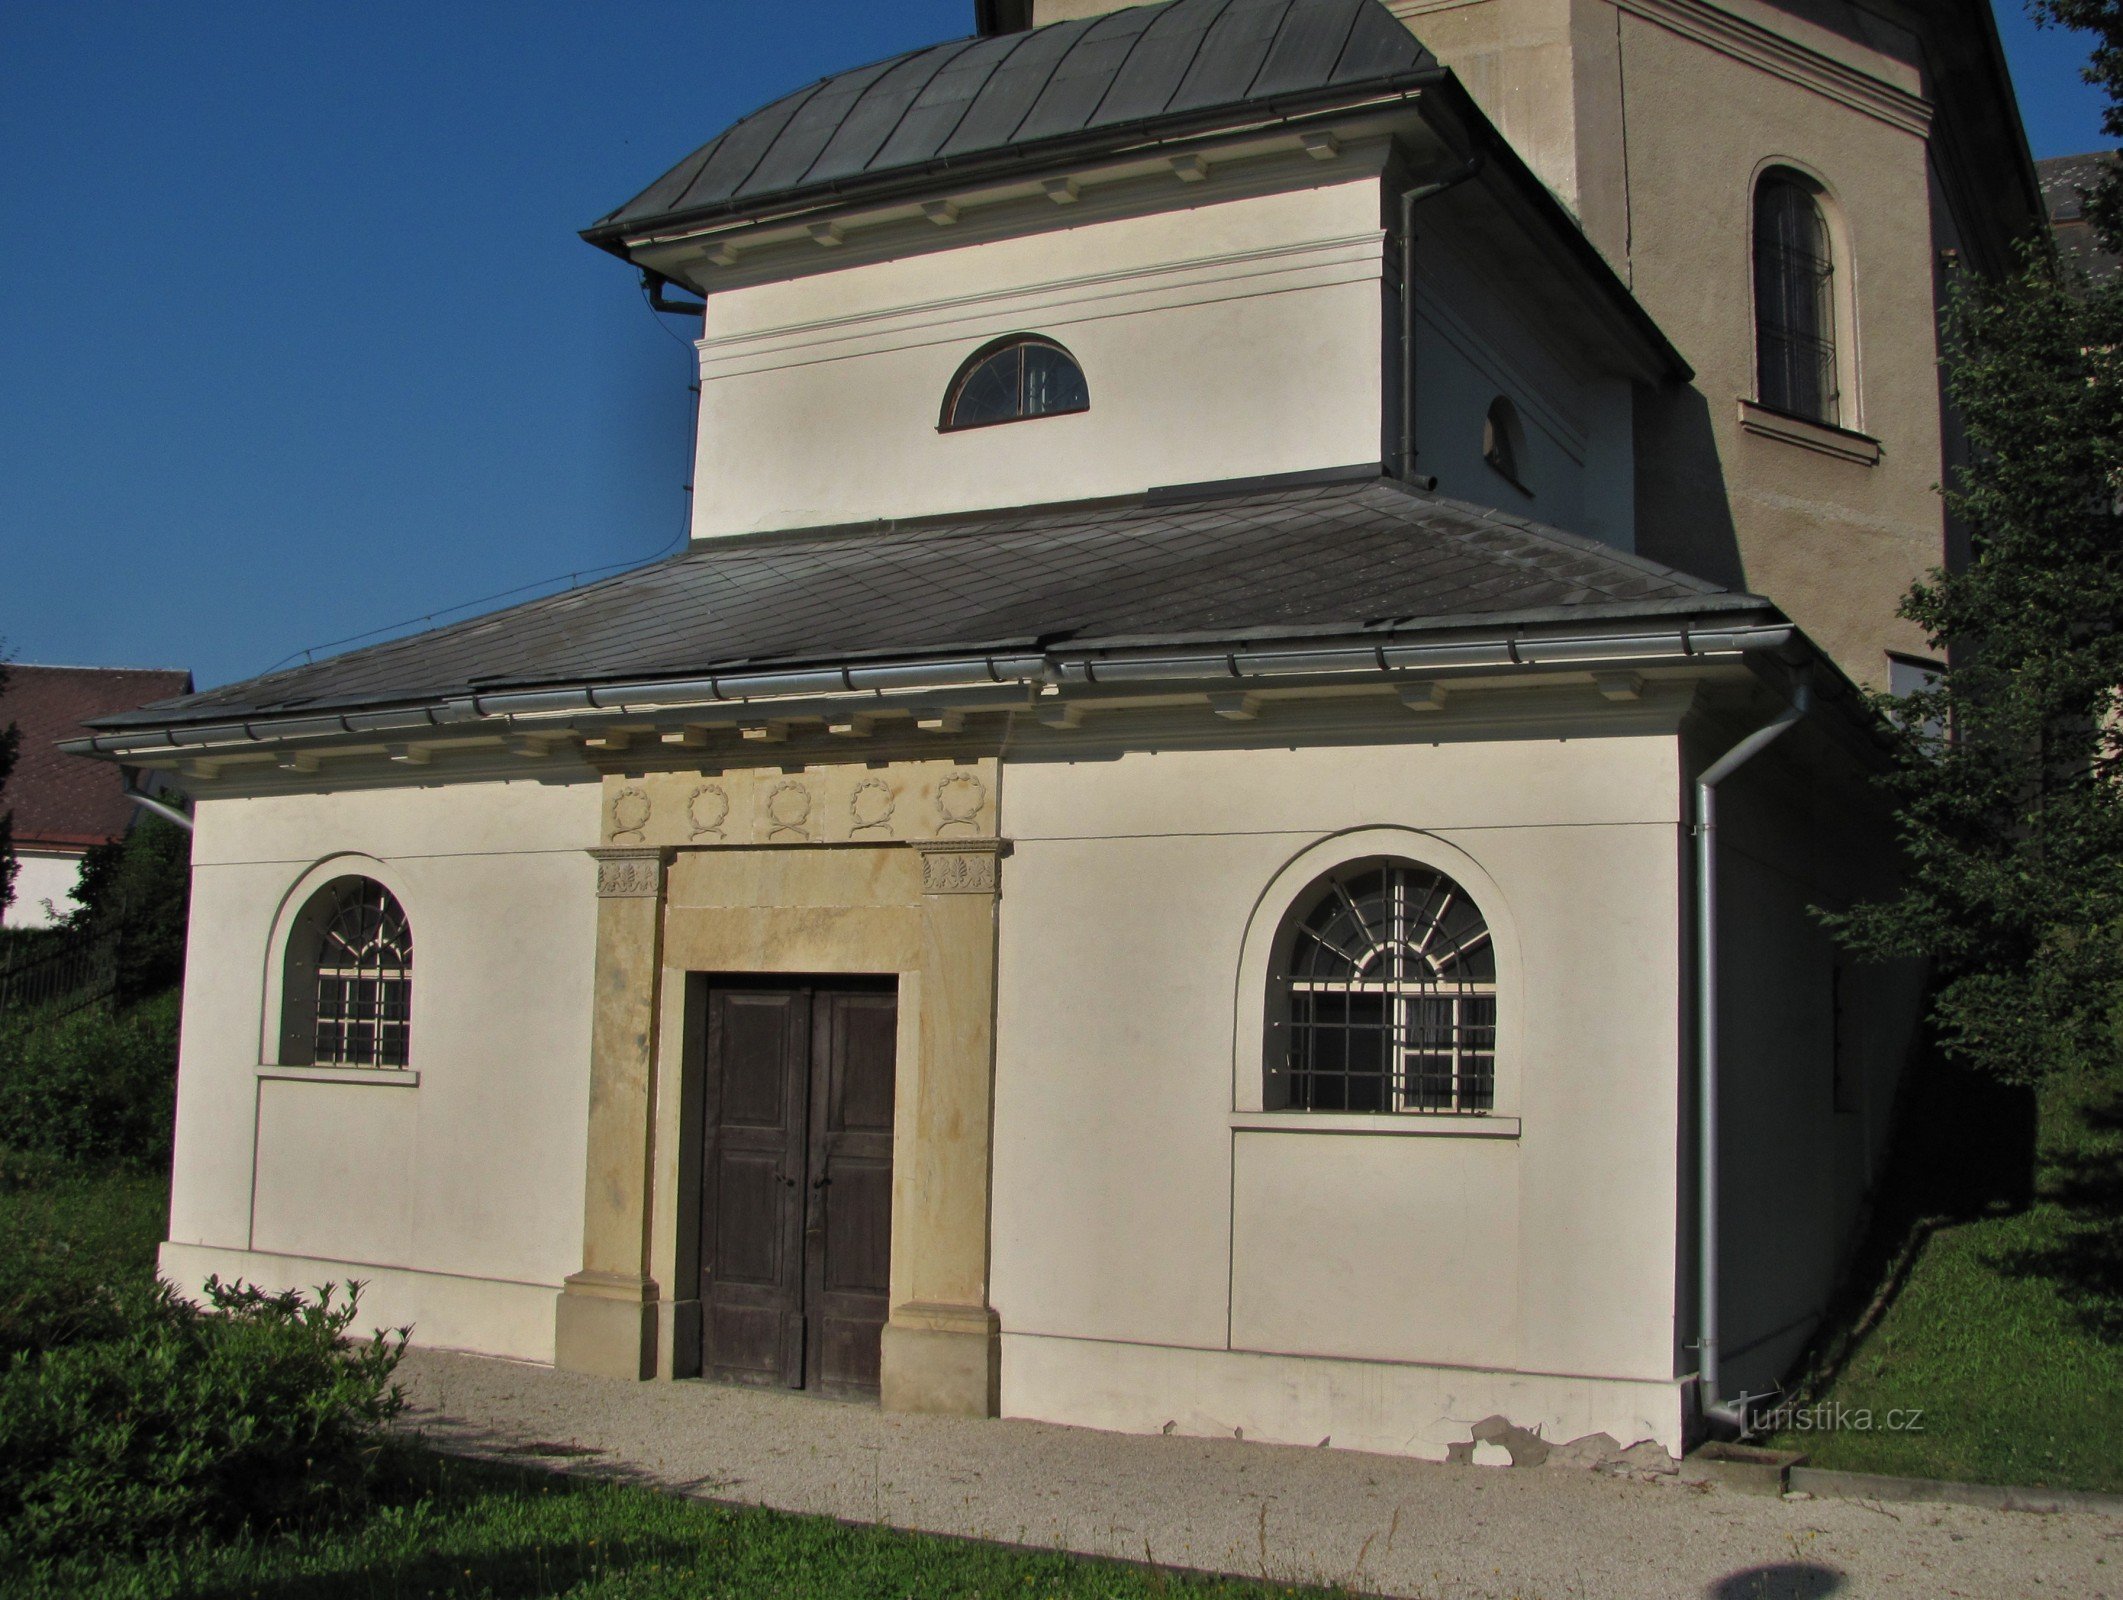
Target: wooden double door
796 1181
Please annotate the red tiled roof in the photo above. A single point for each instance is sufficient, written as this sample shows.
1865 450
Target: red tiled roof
61 800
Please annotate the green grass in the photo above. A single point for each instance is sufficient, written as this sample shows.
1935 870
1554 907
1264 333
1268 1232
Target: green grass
458 1528
2004 1330
466 1529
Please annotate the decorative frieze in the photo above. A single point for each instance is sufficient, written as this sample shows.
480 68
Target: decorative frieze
630 873
960 866
839 803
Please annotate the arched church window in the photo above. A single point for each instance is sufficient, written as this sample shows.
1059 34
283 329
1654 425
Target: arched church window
1794 300
351 969
1012 380
1390 988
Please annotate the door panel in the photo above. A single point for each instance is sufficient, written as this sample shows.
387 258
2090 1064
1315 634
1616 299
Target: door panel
752 1326
848 1238
796 1235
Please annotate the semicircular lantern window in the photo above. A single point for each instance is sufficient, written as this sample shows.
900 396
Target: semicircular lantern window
1389 984
1014 380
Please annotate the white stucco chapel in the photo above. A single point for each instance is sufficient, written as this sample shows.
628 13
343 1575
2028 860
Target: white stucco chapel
1146 867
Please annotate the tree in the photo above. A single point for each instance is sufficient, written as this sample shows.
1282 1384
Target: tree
2009 782
10 737
2104 20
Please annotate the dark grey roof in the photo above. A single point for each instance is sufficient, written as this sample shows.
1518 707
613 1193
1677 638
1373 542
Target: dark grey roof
1022 94
1273 561
2063 178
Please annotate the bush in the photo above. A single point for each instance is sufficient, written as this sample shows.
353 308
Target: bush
258 1415
65 1238
98 1086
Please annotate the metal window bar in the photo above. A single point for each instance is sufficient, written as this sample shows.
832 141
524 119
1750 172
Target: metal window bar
1794 296
365 983
1392 994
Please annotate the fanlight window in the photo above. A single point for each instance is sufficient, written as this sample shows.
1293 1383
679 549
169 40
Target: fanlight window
1391 990
364 977
1017 379
1794 301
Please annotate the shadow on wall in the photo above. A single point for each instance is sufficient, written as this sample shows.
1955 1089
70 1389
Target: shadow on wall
1684 513
1779 1580
1964 1148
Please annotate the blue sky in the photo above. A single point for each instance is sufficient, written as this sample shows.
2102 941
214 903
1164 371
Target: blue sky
296 337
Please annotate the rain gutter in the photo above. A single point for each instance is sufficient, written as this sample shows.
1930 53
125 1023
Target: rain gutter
1034 671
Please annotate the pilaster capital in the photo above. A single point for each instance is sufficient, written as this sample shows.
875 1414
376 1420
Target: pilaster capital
961 866
631 872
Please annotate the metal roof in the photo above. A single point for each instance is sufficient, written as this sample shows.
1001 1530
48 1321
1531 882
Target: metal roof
1288 560
1020 93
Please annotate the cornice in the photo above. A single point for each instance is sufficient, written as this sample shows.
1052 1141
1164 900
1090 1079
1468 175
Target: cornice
1770 52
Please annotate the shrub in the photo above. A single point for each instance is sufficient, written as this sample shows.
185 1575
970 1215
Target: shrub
65 1238
259 1415
96 1086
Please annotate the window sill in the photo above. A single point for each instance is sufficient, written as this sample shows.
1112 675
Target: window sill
1842 443
1393 1122
379 1077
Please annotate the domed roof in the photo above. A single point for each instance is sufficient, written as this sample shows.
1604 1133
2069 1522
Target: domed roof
976 103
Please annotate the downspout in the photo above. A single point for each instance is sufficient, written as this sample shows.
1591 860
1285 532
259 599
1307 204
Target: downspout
170 813
1410 199
1706 1013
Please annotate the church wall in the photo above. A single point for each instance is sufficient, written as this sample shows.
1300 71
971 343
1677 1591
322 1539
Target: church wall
1800 1152
1165 1252
1835 542
1223 340
1577 470
460 1195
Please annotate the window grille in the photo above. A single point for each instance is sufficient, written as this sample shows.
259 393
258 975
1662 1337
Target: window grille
1794 302
1392 996
1021 377
364 979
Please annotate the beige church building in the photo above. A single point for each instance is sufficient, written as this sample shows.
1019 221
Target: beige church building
1219 828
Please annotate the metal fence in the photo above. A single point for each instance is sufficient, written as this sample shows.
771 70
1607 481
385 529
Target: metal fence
63 975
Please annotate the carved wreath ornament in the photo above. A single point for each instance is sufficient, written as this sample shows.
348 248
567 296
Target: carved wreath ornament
707 809
788 808
959 799
630 814
871 805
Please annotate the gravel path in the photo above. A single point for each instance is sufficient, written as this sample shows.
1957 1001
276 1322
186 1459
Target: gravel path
1375 1523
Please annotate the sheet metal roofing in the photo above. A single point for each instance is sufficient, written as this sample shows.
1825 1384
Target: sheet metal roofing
1295 559
1021 93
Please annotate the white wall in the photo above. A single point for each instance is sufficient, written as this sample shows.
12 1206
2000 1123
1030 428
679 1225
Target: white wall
1220 340
1130 1212
42 878
460 1195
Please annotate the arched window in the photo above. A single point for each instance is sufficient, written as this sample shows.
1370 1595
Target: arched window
1794 301
1390 982
1014 379
1504 441
349 986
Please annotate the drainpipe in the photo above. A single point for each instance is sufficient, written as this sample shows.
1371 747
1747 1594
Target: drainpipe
148 803
1706 1055
1410 199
